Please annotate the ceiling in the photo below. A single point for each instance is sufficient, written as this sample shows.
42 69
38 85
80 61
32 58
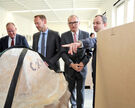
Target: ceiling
54 10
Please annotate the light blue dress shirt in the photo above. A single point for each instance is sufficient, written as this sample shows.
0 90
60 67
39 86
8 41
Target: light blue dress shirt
39 43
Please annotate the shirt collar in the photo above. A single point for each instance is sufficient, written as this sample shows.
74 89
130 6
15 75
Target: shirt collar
77 33
11 38
46 32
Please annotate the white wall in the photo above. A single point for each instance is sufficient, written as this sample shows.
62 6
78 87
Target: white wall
110 12
108 8
5 17
24 26
62 27
27 28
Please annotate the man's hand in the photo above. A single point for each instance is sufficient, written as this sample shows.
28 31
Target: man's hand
72 47
80 66
75 66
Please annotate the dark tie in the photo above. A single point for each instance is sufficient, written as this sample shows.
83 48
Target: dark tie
43 44
12 42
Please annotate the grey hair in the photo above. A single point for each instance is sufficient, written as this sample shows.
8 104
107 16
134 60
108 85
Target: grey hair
73 16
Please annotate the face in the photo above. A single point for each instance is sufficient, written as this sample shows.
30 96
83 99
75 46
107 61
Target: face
11 30
40 24
93 35
73 23
98 24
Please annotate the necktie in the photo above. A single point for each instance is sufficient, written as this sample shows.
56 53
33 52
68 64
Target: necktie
75 40
12 42
43 44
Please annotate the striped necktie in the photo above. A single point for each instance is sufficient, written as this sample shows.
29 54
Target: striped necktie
12 42
75 40
43 44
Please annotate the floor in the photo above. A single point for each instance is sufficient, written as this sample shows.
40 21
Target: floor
88 98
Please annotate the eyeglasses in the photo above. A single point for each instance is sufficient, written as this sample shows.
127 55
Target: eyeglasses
9 31
71 23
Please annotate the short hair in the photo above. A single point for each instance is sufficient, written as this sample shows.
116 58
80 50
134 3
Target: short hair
40 16
10 23
91 34
103 18
73 16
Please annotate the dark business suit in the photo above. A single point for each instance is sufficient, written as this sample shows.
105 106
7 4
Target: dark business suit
91 43
19 41
73 77
52 47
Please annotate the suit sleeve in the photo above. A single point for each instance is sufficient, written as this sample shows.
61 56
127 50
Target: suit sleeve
36 37
33 45
65 55
25 42
58 43
89 42
0 45
56 57
87 55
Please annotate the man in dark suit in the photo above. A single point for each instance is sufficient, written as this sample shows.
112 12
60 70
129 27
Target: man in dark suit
46 41
75 65
12 39
99 23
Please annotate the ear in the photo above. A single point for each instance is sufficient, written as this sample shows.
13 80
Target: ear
45 21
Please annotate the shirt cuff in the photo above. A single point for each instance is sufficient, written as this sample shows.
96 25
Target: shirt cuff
81 46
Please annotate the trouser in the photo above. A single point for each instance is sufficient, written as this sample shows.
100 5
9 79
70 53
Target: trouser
76 88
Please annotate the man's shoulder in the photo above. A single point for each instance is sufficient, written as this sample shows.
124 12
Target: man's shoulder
36 34
82 31
4 37
18 35
66 33
53 33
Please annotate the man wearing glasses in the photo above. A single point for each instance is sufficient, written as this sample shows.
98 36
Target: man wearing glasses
75 65
99 23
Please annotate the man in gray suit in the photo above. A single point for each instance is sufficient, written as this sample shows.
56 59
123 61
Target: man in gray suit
99 23
46 41
12 39
75 65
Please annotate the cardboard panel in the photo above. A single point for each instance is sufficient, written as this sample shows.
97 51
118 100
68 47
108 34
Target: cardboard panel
115 77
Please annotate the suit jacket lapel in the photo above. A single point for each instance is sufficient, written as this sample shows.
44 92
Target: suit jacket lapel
47 41
70 37
17 40
80 36
6 43
37 40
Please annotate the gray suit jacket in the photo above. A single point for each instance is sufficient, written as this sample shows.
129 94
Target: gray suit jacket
82 54
52 48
